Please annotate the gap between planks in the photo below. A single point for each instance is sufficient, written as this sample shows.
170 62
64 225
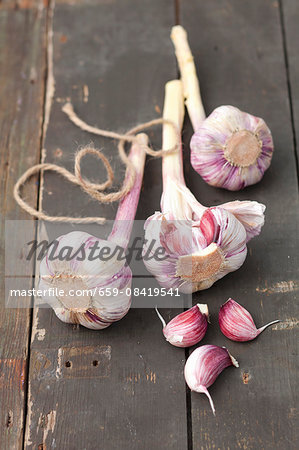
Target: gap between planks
50 5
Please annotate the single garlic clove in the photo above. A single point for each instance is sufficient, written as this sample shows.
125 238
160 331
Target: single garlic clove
187 328
249 213
237 324
203 367
231 149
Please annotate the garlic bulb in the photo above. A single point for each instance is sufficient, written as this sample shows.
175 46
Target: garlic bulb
89 275
203 367
201 244
237 324
187 328
230 149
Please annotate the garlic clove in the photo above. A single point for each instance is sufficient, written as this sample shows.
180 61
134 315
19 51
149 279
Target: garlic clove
203 367
231 149
237 324
249 213
187 328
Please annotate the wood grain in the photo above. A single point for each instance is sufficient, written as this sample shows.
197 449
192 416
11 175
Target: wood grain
22 56
239 55
133 396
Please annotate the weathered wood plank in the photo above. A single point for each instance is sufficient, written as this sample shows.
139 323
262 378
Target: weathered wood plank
239 55
22 59
135 396
289 11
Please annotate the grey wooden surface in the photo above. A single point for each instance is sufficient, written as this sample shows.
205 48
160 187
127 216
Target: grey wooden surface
246 55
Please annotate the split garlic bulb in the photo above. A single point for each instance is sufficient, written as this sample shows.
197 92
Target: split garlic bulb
200 244
230 149
89 276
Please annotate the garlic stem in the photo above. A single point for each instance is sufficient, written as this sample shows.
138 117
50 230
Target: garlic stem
122 227
260 330
173 110
160 317
204 390
188 75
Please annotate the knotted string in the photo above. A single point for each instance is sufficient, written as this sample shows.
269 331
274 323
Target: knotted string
94 189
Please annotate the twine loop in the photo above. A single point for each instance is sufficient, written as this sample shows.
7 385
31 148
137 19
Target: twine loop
94 190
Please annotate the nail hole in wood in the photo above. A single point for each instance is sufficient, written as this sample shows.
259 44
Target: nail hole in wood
95 363
68 364
9 419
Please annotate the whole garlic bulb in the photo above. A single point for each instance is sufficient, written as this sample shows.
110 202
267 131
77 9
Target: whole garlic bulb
230 149
87 286
89 276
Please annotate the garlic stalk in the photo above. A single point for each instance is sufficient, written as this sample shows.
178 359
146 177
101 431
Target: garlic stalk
230 149
237 324
90 274
187 328
203 367
201 244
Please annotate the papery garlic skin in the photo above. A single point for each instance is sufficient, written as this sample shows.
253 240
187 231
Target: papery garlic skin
231 149
201 244
187 328
96 289
203 367
237 324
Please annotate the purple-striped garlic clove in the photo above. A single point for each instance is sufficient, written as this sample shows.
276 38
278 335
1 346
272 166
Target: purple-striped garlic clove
203 367
231 149
237 324
187 328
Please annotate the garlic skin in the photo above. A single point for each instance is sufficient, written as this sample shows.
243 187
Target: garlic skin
201 244
203 367
237 324
231 149
187 328
95 289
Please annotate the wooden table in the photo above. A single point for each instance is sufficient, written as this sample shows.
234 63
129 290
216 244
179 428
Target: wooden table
112 59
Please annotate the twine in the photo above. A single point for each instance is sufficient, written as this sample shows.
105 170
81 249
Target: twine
94 189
